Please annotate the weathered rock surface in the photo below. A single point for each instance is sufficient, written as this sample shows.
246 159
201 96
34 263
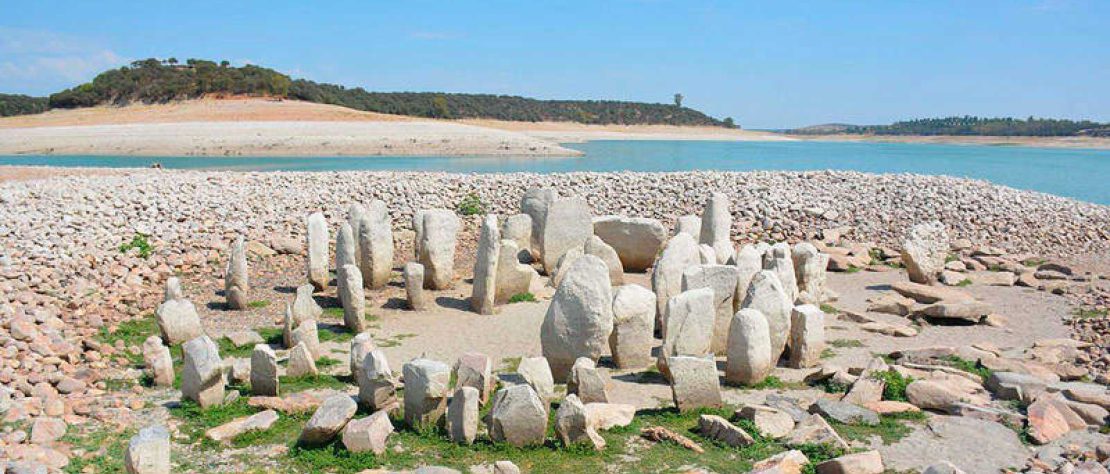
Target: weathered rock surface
689 325
722 279
368 434
766 295
567 224
749 348
426 385
317 261
573 424
264 371
694 382
148 452
633 321
924 251
438 239
598 248
580 317
587 381
636 240
680 253
236 280
328 420
716 225
462 415
484 290
178 321
518 416
807 336
202 378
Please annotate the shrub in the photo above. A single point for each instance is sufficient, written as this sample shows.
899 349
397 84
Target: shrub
471 205
139 241
522 297
895 388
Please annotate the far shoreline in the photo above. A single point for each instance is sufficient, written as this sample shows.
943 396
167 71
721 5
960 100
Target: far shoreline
1078 143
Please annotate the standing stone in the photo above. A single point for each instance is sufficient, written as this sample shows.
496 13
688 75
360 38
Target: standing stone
633 323
587 382
688 224
689 326
474 369
328 420
722 279
309 335
158 361
353 297
636 240
368 434
418 233
375 382
535 203
202 378
518 229
287 327
264 371
766 295
317 264
173 290
305 306
807 336
694 382
810 269
518 417
462 416
924 251
414 286
513 277
375 242
716 225
178 321
706 254
437 247
748 261
573 424
536 372
301 362
556 276
345 248
680 253
361 344
749 348
355 215
580 317
598 248
236 283
567 224
779 260
485 266
148 452
426 384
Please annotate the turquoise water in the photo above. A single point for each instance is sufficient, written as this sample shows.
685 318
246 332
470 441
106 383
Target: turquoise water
1080 174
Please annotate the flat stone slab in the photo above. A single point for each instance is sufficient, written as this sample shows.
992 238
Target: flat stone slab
971 444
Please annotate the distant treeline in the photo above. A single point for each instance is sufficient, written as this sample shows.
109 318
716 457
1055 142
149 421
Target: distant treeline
967 125
157 81
21 105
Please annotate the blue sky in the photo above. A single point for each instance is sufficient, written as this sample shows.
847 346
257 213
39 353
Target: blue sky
767 64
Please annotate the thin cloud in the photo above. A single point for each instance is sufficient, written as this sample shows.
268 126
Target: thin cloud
40 60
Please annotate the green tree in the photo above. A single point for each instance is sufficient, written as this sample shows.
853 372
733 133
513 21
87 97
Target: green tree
678 100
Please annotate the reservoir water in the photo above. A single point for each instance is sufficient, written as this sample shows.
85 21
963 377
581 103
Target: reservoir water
1076 173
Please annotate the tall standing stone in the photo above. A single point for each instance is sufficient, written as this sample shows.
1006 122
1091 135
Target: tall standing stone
688 224
317 263
749 348
264 371
513 277
567 225
413 274
202 377
518 416
305 306
722 279
766 295
173 290
355 215
353 297
147 453
236 283
694 382
810 268
178 321
361 344
598 248
375 382
924 251
308 333
426 385
689 326
748 261
484 291
636 240
462 416
580 317
437 248
375 243
518 228
301 362
535 203
807 336
633 324
345 246
680 253
716 226
779 260
158 362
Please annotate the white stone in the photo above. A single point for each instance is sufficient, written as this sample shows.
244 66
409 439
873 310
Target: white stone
779 260
534 204
633 324
636 240
587 382
580 317
353 297
264 371
689 326
536 372
148 452
305 306
426 385
301 362
598 248
236 280
513 277
368 434
694 382
414 286
317 261
749 348
328 420
437 248
680 253
462 416
518 229
173 290
375 243
375 382
688 224
807 336
484 289
748 261
766 295
573 424
924 251
178 321
716 227
518 416
567 224
810 268
202 376
722 279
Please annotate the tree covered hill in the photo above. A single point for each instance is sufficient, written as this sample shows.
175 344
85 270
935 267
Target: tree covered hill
21 105
157 81
969 126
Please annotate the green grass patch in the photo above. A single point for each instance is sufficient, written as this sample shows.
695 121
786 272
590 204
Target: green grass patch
523 298
831 386
325 361
828 353
471 205
103 449
139 241
334 334
195 420
258 304
895 388
229 349
510 364
968 366
1090 313
1034 262
845 343
853 269
132 333
951 258
332 313
308 382
829 309
964 282
891 428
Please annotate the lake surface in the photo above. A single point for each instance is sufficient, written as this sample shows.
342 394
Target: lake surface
1075 173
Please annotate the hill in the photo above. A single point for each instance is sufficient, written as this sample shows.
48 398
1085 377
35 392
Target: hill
154 81
21 105
969 126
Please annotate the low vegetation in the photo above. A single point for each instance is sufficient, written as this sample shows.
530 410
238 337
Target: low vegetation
14 104
471 205
972 126
522 298
140 242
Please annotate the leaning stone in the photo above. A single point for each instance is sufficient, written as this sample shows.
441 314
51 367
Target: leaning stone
771 422
867 462
779 259
680 253
173 290
815 430
236 280
202 378
475 369
580 317
264 371
437 248
598 248
807 336
636 240
891 303
722 279
610 415
535 203
868 387
518 229
426 385
587 382
716 225
513 277
484 290
317 262
924 251
368 434
633 320
694 382
361 344
536 372
260 421
462 415
689 326
413 274
375 382
158 362
178 321
810 269
328 420
569 257
719 429
305 306
573 425
767 295
1046 421
748 262
307 333
844 412
353 297
518 416
301 362
567 224
148 452
375 244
